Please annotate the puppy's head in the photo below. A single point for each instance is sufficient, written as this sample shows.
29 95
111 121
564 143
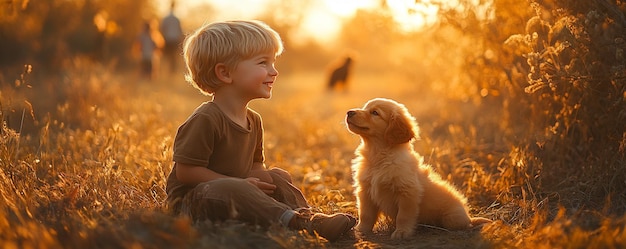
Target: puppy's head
383 120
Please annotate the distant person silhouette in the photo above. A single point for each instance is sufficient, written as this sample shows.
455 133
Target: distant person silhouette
147 47
173 35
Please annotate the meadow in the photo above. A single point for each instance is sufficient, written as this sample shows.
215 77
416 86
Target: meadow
523 110
91 172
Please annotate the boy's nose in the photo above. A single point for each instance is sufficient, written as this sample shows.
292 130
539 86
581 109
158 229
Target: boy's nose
273 72
351 113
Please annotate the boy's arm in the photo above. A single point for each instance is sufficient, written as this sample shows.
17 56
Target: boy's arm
192 174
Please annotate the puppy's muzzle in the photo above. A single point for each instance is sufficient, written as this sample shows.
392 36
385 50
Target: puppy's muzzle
351 113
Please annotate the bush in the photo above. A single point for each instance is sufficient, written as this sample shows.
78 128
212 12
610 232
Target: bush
560 81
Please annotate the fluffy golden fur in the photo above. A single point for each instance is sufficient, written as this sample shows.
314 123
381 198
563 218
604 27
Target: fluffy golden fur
391 178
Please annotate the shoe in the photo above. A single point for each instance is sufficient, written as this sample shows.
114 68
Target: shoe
331 227
306 211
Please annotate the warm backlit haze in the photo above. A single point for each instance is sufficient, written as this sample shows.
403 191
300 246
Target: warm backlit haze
521 105
320 21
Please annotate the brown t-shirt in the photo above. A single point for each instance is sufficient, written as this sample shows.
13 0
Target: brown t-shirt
210 139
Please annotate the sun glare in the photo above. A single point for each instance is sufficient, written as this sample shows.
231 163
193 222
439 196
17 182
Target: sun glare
411 15
321 20
347 8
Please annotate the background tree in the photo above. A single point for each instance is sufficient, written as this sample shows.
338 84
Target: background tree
51 32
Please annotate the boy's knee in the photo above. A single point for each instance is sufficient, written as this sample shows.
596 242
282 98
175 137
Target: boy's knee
230 185
221 189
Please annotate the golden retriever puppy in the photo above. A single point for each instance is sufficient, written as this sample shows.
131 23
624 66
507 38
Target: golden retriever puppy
392 179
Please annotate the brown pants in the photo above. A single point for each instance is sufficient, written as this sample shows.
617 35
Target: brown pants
232 198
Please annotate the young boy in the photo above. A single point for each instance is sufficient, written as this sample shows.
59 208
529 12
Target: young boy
219 171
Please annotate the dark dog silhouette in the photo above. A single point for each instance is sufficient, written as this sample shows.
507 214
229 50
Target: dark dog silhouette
339 76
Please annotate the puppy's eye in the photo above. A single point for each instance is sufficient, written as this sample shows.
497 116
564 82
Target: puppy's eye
375 113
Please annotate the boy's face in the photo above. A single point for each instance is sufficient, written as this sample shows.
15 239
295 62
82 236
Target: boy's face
255 76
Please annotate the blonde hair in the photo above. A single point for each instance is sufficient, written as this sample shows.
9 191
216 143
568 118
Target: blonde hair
226 42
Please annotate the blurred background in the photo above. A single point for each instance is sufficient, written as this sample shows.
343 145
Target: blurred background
52 32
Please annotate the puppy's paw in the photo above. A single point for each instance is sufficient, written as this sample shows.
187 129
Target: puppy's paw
402 234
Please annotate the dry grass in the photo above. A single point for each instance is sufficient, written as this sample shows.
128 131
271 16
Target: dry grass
89 171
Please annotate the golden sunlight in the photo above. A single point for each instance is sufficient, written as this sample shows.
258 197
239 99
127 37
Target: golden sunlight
348 8
320 21
411 15
517 108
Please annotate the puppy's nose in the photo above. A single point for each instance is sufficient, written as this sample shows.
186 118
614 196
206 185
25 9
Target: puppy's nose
351 113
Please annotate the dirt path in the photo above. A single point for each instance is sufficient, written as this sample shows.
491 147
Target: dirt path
425 238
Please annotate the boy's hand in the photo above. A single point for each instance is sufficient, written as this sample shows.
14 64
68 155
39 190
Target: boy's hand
267 188
258 171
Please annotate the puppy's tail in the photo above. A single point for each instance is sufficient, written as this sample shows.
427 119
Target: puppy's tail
478 222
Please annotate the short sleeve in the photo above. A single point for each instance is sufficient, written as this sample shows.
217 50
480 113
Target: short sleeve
258 152
195 141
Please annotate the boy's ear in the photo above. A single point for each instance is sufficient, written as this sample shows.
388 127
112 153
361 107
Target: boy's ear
222 72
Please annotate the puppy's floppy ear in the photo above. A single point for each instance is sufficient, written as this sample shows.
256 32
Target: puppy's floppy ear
399 130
